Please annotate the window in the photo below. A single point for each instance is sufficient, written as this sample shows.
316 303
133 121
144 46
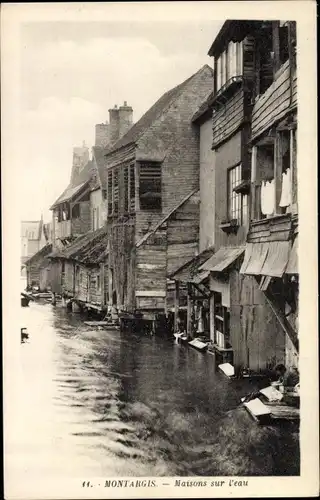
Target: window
150 186
109 193
113 191
221 322
237 202
98 282
276 175
132 188
76 211
126 188
229 64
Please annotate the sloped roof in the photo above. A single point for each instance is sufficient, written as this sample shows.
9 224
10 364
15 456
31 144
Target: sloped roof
99 154
39 258
204 109
152 114
78 183
90 248
187 272
68 194
222 259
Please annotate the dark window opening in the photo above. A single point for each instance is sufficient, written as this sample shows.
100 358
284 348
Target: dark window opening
221 322
237 202
150 186
284 43
76 211
109 192
132 188
115 190
126 188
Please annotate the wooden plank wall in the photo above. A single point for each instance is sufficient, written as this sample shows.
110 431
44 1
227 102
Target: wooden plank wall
121 241
68 277
82 284
227 119
82 224
95 295
256 336
55 276
151 270
183 233
275 102
274 229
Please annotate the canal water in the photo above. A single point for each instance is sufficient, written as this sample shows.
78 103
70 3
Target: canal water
97 403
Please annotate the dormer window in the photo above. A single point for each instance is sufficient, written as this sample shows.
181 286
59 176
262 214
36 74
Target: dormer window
229 64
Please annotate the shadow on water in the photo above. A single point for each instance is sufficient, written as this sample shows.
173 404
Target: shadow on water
141 405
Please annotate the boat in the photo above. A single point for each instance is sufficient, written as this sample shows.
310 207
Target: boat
25 299
199 345
24 335
227 369
106 325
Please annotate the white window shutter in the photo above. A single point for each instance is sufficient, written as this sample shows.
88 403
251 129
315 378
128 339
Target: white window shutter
218 73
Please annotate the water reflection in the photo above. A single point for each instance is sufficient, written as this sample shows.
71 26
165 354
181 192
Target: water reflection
102 403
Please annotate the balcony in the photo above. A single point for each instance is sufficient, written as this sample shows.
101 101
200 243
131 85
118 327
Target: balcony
63 229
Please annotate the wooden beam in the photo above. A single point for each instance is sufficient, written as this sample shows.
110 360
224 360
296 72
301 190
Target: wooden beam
278 171
253 182
189 310
282 319
176 304
201 291
276 46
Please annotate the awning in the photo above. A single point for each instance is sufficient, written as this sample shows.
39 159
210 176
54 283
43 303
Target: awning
222 259
200 277
292 267
254 258
68 194
266 259
277 259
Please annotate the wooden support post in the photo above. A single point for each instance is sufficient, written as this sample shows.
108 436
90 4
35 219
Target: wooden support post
176 304
253 210
189 310
102 301
276 46
212 326
278 171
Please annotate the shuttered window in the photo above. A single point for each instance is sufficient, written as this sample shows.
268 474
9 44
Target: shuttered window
132 188
126 188
150 186
109 193
116 190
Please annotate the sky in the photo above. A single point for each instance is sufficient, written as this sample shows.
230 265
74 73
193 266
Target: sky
71 73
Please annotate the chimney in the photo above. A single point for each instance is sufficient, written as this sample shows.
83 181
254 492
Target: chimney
81 157
125 118
102 138
114 124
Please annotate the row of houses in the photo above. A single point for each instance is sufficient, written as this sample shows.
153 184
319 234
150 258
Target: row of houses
190 215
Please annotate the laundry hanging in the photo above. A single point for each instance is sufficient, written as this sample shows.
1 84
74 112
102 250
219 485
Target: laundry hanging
267 197
286 195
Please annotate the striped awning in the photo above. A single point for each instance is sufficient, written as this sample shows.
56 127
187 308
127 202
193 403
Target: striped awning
292 267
